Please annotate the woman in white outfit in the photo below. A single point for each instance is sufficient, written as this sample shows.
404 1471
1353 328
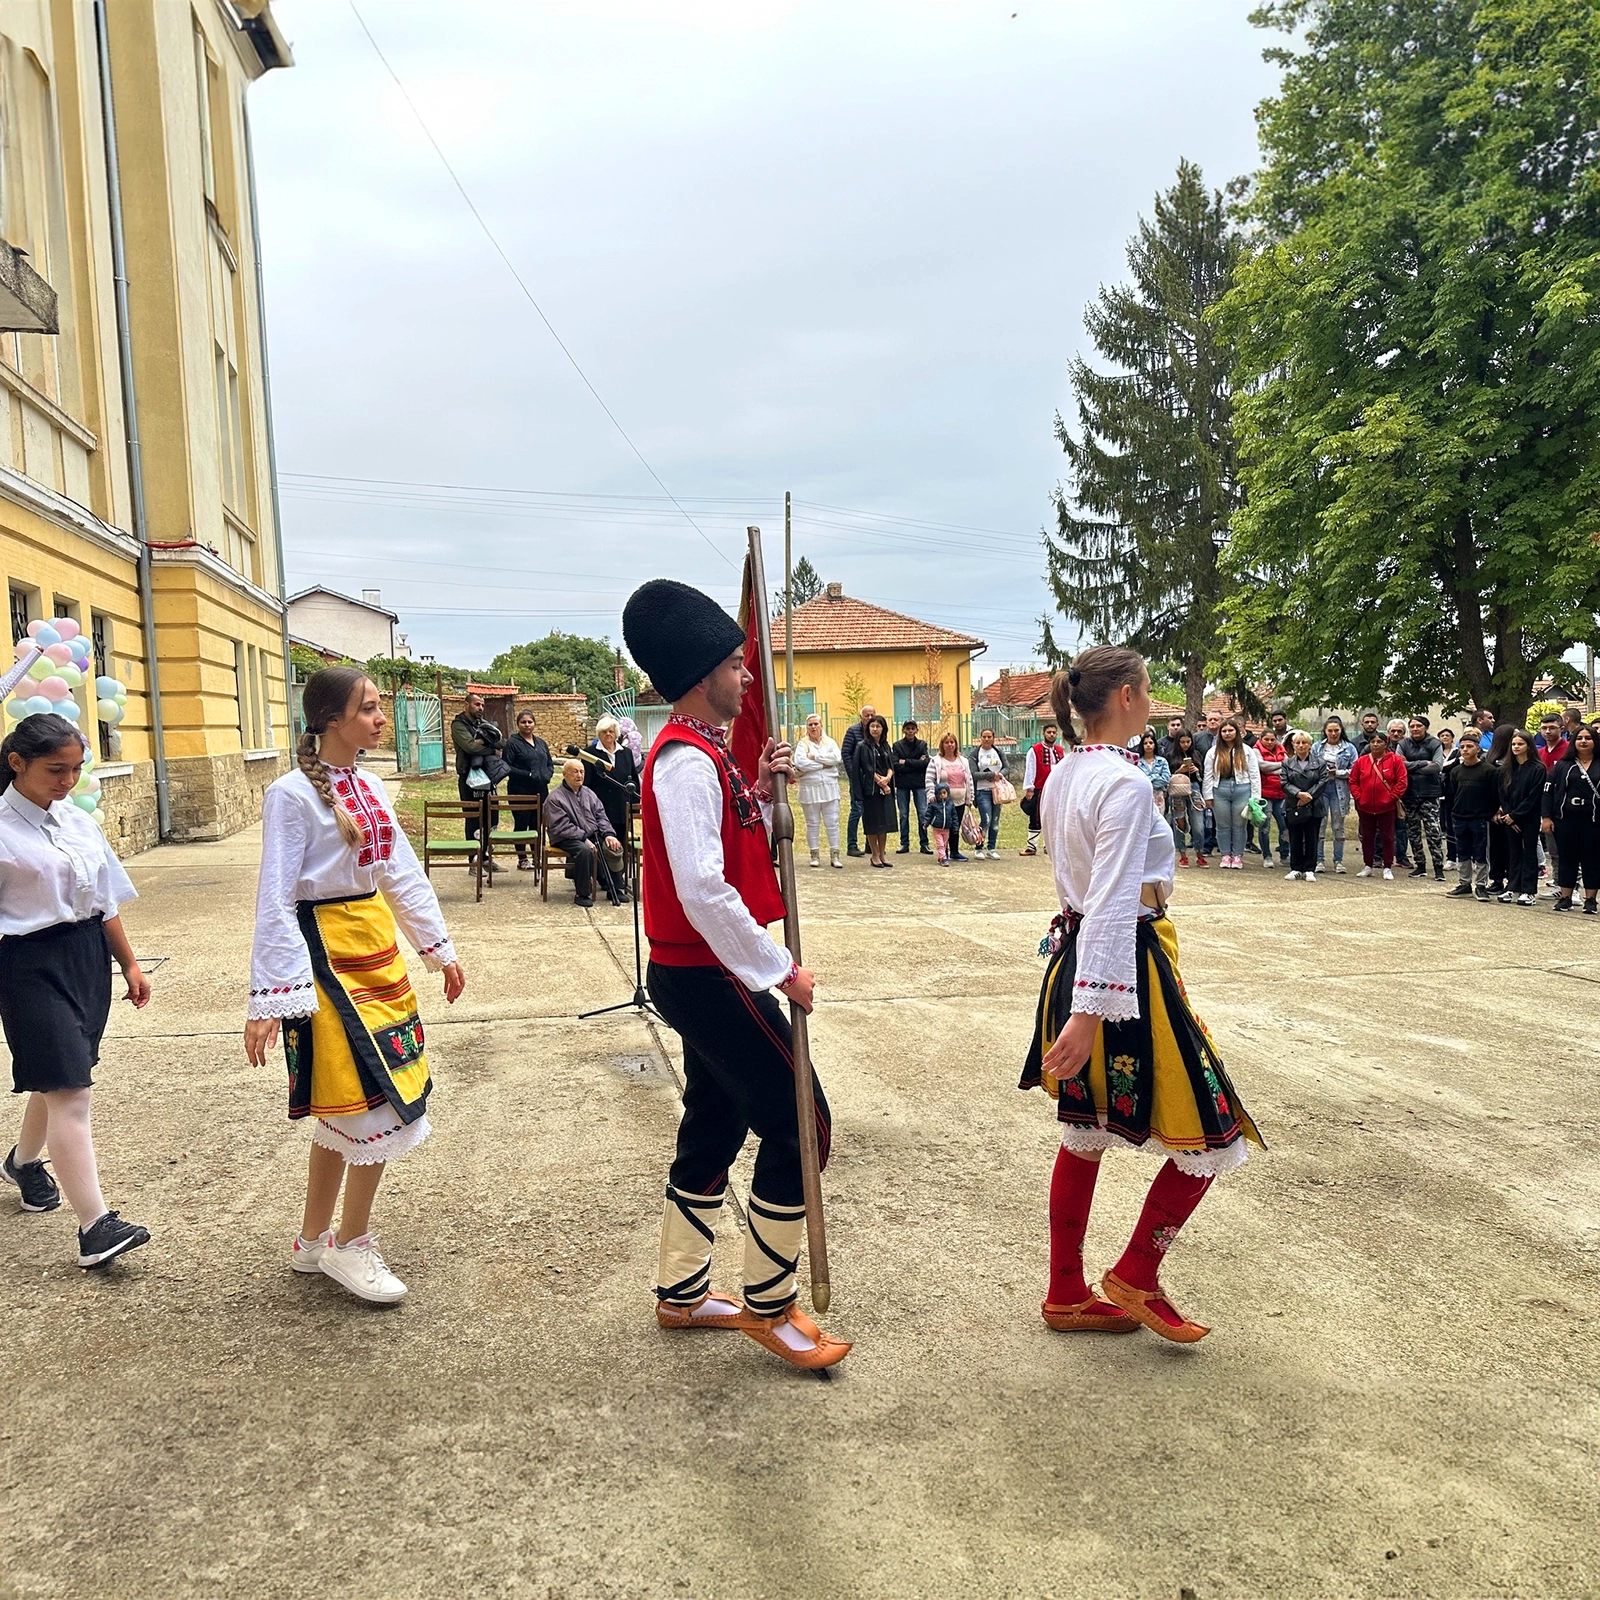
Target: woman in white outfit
816 764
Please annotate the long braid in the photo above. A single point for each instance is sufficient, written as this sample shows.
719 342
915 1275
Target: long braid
312 764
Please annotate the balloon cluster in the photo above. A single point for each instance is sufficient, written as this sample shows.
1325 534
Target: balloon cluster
62 667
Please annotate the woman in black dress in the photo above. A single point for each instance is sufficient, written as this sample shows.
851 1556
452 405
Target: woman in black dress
874 762
1522 780
613 775
528 756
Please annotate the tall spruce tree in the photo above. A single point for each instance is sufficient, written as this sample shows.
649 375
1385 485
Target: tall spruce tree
1151 483
1419 353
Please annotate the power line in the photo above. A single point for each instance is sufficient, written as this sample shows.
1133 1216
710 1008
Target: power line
527 292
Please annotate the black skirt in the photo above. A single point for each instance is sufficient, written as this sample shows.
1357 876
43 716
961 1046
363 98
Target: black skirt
55 1001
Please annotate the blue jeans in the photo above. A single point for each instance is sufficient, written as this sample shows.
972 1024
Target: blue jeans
1337 795
1229 797
989 816
1274 812
853 831
1188 819
908 800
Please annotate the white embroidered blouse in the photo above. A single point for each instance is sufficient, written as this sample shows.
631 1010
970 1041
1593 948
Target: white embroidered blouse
1106 841
305 857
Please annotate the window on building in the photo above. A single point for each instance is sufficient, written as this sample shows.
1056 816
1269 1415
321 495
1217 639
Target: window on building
100 639
253 672
268 738
805 702
240 695
24 609
203 72
918 701
224 426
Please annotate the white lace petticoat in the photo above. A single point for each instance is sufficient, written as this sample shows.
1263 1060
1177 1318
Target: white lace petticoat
1197 1163
369 1137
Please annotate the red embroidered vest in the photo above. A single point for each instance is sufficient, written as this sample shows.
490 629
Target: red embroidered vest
746 864
1045 756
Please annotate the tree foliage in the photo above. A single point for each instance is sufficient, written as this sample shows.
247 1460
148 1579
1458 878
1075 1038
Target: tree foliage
807 583
1151 478
557 662
1418 340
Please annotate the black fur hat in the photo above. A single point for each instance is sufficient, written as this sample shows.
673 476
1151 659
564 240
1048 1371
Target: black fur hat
677 635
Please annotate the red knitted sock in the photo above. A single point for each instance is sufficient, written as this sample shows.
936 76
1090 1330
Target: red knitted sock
1169 1204
1071 1196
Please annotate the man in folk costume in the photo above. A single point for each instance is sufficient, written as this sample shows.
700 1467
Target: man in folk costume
709 894
1041 758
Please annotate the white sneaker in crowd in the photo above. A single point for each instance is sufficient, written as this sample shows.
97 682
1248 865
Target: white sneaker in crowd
1266 861
360 1268
1365 872
1311 877
1388 875
1289 877
305 1255
1338 867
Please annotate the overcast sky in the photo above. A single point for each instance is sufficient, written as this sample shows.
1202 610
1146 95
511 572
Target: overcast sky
838 250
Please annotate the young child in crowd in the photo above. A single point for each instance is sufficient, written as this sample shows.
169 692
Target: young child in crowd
941 819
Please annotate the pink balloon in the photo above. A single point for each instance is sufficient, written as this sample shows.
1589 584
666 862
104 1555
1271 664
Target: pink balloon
67 628
24 649
33 628
55 689
61 654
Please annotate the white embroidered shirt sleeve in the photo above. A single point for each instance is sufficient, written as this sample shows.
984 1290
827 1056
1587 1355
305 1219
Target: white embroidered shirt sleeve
689 802
1107 982
415 905
281 983
1030 770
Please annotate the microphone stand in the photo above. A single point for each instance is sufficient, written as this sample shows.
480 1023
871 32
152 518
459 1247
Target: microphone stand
641 995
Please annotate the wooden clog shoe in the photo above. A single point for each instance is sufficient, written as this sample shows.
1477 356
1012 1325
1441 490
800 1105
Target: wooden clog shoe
1136 1302
825 1350
1089 1316
683 1316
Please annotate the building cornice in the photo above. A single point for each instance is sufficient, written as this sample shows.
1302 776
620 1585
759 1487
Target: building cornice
209 562
67 514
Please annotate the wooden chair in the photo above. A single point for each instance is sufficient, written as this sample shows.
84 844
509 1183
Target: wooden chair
528 838
439 812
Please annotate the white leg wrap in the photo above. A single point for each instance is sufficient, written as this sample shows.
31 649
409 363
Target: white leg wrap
688 1229
771 1255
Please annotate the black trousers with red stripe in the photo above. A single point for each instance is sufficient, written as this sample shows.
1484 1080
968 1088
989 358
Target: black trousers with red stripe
738 1073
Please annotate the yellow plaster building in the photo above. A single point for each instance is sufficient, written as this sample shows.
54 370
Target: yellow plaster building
848 653
125 156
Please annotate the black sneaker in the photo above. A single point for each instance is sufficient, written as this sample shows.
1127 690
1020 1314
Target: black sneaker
926 849
1438 874
1418 871
39 1192
852 851
108 1238
1562 905
1457 893
904 850
1590 908
584 903
1482 894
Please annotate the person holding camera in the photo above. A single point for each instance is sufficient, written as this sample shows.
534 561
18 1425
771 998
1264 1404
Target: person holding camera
477 746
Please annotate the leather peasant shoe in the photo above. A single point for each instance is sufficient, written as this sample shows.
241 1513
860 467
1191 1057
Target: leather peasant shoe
825 1350
683 1316
1136 1302
1089 1316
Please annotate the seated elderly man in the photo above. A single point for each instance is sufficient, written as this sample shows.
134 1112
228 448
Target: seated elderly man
577 822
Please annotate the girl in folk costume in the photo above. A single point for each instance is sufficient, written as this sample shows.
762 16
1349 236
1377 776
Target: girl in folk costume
1116 1043
337 874
60 889
709 894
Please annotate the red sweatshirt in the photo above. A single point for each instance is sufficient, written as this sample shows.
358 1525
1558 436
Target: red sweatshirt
1376 786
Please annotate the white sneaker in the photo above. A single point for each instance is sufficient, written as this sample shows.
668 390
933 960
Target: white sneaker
1338 867
305 1255
360 1268
1311 877
1365 872
1266 861
1289 877
1388 875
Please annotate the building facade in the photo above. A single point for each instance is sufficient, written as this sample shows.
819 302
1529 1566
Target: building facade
167 556
335 624
848 653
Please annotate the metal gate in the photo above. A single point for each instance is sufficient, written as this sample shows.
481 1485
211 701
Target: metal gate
418 733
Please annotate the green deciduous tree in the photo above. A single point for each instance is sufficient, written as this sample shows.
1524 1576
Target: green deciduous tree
1151 481
553 664
1418 338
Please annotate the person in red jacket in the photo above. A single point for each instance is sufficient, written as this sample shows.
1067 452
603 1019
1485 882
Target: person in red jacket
1377 781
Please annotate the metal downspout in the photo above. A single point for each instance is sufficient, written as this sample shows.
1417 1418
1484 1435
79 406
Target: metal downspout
272 448
130 411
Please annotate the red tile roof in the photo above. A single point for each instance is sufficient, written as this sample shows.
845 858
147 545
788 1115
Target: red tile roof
841 622
1029 690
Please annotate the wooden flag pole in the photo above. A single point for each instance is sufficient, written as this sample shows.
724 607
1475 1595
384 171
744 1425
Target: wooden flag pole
783 835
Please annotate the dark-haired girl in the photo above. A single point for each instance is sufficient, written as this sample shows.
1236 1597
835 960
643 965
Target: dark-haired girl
337 875
1116 1043
60 891
874 763
1572 816
1521 801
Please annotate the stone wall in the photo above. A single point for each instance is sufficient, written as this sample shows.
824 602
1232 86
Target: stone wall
211 797
128 803
559 719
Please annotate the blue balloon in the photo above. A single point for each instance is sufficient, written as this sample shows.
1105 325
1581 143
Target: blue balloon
106 688
46 637
79 649
67 709
38 705
17 708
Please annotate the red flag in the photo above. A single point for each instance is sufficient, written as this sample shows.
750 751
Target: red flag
749 735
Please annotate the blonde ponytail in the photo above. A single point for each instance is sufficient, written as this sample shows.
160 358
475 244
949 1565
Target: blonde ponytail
311 763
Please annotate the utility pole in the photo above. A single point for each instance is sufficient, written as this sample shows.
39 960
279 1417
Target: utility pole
788 619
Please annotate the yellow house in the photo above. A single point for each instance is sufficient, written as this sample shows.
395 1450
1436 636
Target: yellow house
136 485
849 654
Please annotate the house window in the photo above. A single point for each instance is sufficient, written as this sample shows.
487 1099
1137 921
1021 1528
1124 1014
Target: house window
202 85
23 607
805 702
100 639
240 693
918 702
